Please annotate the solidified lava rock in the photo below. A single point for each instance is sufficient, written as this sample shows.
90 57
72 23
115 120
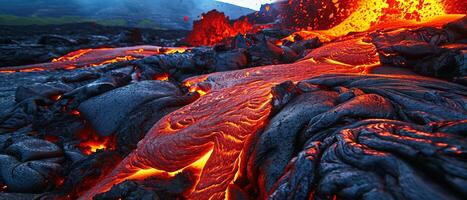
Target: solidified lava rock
427 50
105 112
151 188
29 165
87 171
366 137
22 45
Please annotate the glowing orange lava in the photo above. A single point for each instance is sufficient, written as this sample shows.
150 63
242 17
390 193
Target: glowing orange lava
370 13
96 57
197 165
92 146
72 56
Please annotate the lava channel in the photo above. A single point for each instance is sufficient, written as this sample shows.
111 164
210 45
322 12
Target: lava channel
215 128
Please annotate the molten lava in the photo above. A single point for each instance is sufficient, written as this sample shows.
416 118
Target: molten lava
364 15
214 26
371 12
96 57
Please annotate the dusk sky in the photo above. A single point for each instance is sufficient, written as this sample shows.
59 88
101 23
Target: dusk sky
253 4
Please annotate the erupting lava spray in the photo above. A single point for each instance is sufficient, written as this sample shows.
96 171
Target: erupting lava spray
333 18
371 12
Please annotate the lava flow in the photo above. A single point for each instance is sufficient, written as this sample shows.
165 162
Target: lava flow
96 57
365 15
210 134
190 134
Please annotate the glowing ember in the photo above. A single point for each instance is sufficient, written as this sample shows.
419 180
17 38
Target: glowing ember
92 146
162 77
91 142
214 27
75 112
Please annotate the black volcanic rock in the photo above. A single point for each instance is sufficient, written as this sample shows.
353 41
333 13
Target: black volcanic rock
150 188
107 111
56 40
370 144
128 190
88 170
428 51
21 45
34 149
29 176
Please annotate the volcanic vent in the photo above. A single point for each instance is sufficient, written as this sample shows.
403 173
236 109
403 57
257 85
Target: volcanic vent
334 100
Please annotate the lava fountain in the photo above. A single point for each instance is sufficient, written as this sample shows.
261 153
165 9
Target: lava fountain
211 134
